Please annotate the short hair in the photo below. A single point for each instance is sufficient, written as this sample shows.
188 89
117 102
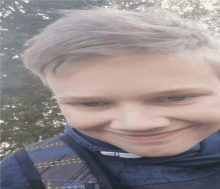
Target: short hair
91 35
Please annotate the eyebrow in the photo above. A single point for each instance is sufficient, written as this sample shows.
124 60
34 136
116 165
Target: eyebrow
158 93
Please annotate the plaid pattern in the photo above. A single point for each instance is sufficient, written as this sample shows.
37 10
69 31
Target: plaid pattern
59 165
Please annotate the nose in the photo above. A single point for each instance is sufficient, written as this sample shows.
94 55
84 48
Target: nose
137 120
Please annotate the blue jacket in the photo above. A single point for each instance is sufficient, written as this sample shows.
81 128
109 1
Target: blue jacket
80 161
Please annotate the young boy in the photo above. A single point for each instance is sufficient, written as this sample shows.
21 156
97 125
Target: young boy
140 93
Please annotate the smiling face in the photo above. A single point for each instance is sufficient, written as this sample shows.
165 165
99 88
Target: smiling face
142 96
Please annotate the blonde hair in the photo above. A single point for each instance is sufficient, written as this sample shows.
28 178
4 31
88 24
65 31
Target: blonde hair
90 35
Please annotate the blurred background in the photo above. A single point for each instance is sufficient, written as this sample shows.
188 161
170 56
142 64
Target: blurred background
29 111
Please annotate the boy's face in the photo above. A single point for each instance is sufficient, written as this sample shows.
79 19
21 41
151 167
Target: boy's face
132 101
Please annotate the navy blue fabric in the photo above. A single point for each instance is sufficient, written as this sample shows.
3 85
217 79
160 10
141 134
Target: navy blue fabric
12 176
211 182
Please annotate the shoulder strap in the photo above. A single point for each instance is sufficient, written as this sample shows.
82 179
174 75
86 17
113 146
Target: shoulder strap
33 176
99 174
29 169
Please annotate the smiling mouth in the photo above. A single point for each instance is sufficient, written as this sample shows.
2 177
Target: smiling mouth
147 135
150 135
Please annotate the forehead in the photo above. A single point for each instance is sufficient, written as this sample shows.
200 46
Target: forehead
139 74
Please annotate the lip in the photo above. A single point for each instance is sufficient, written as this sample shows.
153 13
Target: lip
149 135
149 138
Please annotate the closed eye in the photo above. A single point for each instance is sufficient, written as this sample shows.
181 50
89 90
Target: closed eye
88 104
172 99
177 98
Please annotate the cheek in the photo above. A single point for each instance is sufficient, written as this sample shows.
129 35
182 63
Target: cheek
207 114
83 119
